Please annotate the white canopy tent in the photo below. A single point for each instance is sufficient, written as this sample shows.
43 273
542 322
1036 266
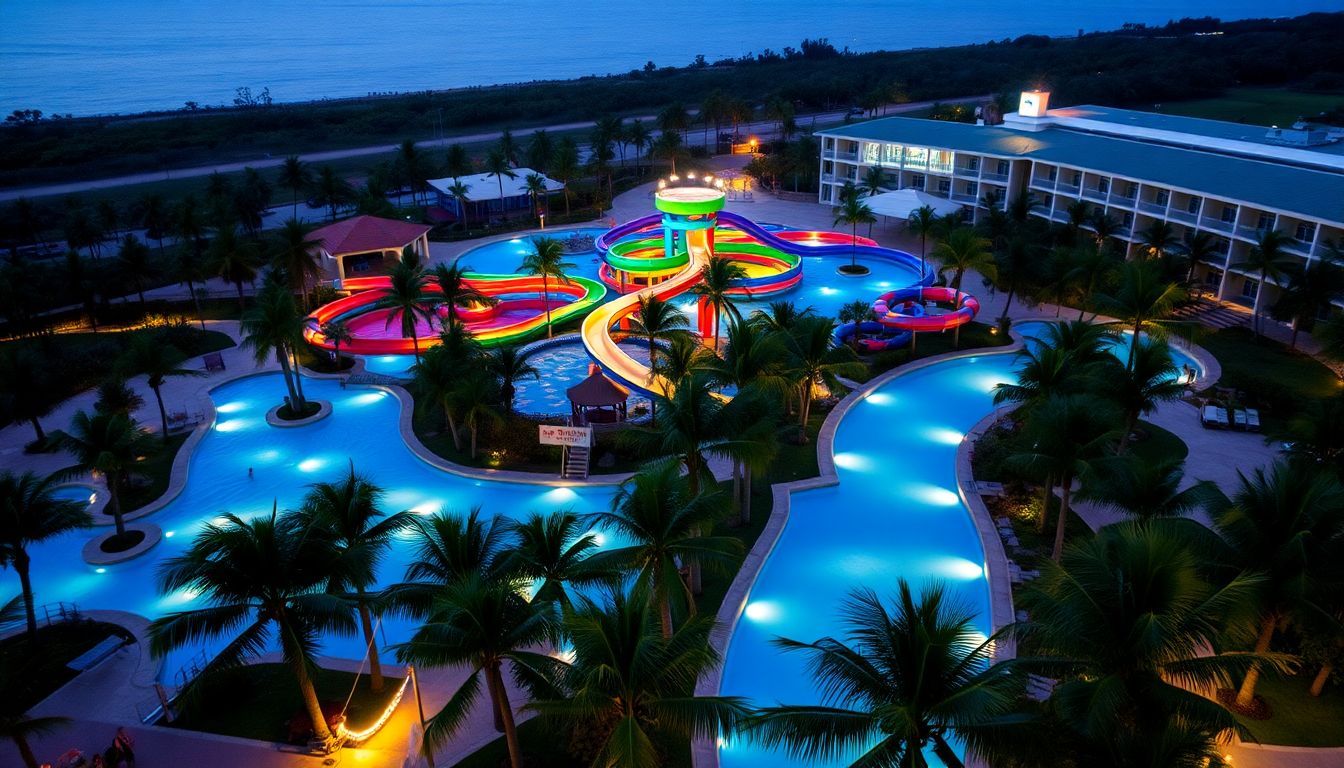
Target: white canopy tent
900 203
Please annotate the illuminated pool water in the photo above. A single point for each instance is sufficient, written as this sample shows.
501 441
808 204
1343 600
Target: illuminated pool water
562 366
362 427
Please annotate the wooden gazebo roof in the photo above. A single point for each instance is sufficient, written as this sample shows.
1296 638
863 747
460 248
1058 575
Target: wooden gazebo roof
596 391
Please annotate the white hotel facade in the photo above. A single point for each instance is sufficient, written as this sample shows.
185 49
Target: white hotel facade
1234 181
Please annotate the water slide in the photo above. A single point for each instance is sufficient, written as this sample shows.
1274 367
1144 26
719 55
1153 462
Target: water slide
596 330
889 305
520 312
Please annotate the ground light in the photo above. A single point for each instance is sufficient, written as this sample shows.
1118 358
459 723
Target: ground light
762 611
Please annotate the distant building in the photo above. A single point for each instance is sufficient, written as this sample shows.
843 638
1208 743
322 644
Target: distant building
1231 180
363 245
483 195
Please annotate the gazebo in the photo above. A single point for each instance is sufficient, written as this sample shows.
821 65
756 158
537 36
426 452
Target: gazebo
361 244
597 400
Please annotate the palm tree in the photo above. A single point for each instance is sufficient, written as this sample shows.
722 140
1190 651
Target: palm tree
961 250
349 512
548 260
1144 488
1150 379
1066 435
552 550
476 394
683 357
295 256
814 360
1088 269
1104 228
19 727
27 392
1142 299
662 517
718 277
508 366
116 396
158 361
275 327
540 149
536 189
853 212
874 179
781 315
497 164
922 221
296 177
451 280
657 319
406 299
1268 261
600 155
451 549
1159 242
331 191
338 333
668 146
1311 291
911 673
190 270
1282 523
435 380
411 165
638 136
482 624
234 259
153 215
110 444
1200 247
565 165
1124 620
133 260
1316 433
1043 372
30 514
458 191
256 577
628 685
456 162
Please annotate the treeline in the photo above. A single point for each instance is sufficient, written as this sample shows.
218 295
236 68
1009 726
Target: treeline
1133 66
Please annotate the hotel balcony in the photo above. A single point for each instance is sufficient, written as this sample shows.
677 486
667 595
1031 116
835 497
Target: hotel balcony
962 197
828 177
1298 247
1177 214
1125 201
1152 208
1091 193
1217 225
852 157
967 173
1001 178
1251 233
1066 189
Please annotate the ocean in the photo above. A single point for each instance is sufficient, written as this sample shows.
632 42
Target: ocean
122 56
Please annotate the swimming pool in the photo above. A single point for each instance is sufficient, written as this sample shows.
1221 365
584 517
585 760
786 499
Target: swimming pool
562 365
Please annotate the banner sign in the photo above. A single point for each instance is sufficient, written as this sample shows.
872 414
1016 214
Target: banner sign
567 436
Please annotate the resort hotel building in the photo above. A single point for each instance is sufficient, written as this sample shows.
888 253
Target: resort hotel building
1231 180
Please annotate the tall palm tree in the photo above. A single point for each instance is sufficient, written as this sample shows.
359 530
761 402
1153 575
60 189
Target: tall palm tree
536 189
657 320
411 167
134 263
459 191
1089 269
295 255
508 365
296 177
456 161
629 686
751 357
565 165
669 146
662 518
1286 523
600 155
112 445
814 360
1150 379
116 396
683 357
874 179
1104 228
781 315
922 221
255 577
349 512
476 395
911 673
1159 242
235 259
275 327
638 136
338 333
332 191
434 379
27 392
1066 436
853 212
449 549
451 280
1267 260
1143 488
406 299
540 149
158 361
1142 300
153 216
482 624
718 277
553 550
1124 621
19 727
497 164
30 513
1200 247
1312 289
548 260
963 249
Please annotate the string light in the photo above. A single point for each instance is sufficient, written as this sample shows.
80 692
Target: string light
355 737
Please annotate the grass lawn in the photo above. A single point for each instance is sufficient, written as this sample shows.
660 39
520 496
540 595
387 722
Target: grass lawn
157 470
30 671
1276 379
1257 106
1298 719
259 701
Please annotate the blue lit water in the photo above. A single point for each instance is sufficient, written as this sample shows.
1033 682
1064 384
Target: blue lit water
561 367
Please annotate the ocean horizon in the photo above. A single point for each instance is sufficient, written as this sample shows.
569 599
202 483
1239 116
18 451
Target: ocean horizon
88 57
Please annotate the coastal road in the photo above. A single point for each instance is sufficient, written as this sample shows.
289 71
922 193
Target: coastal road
693 138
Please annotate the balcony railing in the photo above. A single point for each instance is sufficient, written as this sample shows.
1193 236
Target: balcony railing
1180 214
1217 225
1091 193
1066 189
1297 246
969 173
1115 198
962 197
1156 209
1252 233
1002 178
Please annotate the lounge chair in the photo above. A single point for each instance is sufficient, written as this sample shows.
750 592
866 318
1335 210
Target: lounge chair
1239 418
213 362
1213 417
1252 420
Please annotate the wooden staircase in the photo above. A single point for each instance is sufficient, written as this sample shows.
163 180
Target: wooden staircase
576 461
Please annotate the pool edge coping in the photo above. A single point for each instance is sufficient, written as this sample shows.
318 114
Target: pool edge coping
705 752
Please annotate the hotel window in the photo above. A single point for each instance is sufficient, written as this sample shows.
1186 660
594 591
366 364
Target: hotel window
1002 168
1193 206
971 188
916 157
1052 174
1305 232
1077 179
1249 288
940 161
1163 197
973 164
1048 201
1222 245
872 153
1103 185
944 186
1132 190
891 154
1265 222
917 181
1128 219
1229 215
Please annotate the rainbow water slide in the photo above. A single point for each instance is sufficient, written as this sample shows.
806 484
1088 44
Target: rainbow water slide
516 316
888 309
